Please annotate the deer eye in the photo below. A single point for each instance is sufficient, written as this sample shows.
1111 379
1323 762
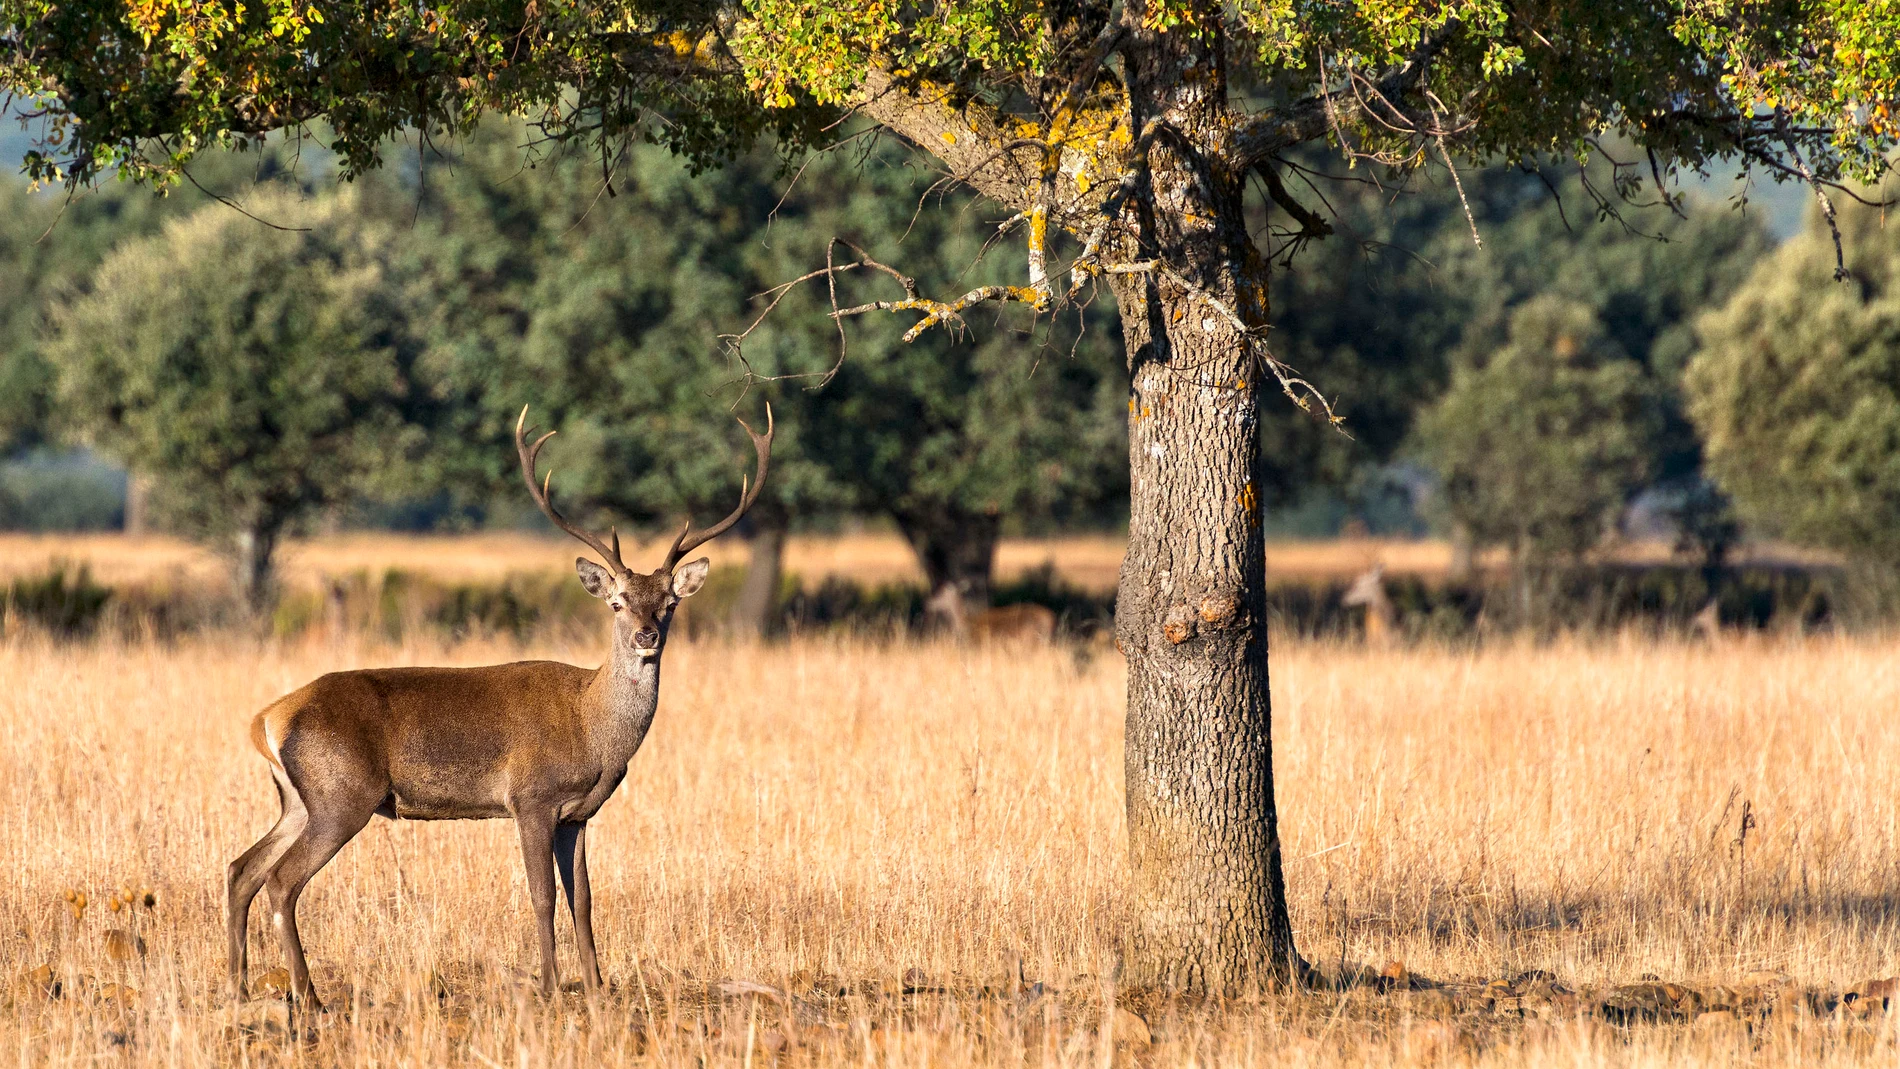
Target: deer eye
616 606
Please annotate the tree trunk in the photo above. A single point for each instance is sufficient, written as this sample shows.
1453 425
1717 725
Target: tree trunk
957 550
138 503
1463 553
251 550
1208 894
1208 897
755 612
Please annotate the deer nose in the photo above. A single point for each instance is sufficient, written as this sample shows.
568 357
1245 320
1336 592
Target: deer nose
646 640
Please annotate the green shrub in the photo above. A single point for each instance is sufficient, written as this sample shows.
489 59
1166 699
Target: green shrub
61 602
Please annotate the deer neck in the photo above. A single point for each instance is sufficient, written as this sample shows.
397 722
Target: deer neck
624 694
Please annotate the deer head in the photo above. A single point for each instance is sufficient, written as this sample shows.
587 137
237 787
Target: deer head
642 602
1368 589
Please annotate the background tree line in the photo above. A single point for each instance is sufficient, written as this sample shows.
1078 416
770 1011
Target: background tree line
361 361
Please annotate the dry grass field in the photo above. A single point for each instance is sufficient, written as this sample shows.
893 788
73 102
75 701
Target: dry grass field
823 816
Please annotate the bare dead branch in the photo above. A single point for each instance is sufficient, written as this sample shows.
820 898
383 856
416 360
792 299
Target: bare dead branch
1312 226
1297 389
1311 117
1459 184
1820 193
239 208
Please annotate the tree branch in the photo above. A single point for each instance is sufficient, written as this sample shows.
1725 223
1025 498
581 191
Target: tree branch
1311 225
966 137
1309 118
1827 205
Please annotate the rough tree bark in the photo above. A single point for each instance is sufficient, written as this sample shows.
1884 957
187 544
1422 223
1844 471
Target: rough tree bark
1209 901
957 550
754 612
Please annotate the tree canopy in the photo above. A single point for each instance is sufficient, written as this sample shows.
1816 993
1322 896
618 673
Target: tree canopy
1541 444
1796 390
1801 91
259 373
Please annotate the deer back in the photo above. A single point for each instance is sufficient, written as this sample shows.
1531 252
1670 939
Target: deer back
1021 622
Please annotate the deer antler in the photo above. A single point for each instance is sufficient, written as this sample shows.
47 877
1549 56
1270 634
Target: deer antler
690 539
542 493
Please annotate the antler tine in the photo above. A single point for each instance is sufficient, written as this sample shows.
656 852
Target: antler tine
543 494
690 539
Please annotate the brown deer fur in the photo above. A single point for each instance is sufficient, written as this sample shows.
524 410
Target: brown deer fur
539 742
1026 622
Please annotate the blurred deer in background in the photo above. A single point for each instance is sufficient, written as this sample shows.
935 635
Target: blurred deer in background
1381 616
1025 621
540 742
1707 624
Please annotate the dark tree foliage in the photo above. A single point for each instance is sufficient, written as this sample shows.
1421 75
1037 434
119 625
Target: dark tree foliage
52 240
954 432
1541 444
1796 389
602 311
48 246
1402 293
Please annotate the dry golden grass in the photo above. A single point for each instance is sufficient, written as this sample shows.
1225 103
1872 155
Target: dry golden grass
862 810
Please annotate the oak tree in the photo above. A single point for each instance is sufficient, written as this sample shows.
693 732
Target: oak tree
1796 391
602 312
1541 444
259 373
1122 138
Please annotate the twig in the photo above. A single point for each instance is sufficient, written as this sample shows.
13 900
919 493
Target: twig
238 208
1827 205
1459 184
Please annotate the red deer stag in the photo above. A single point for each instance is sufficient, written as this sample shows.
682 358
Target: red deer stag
540 742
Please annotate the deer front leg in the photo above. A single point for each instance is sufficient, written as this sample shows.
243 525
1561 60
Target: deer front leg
536 824
570 857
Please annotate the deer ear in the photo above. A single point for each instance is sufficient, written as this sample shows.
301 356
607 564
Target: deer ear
689 577
593 577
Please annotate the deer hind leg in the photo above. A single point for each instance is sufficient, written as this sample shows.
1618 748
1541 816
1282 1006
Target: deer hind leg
570 858
326 830
245 877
